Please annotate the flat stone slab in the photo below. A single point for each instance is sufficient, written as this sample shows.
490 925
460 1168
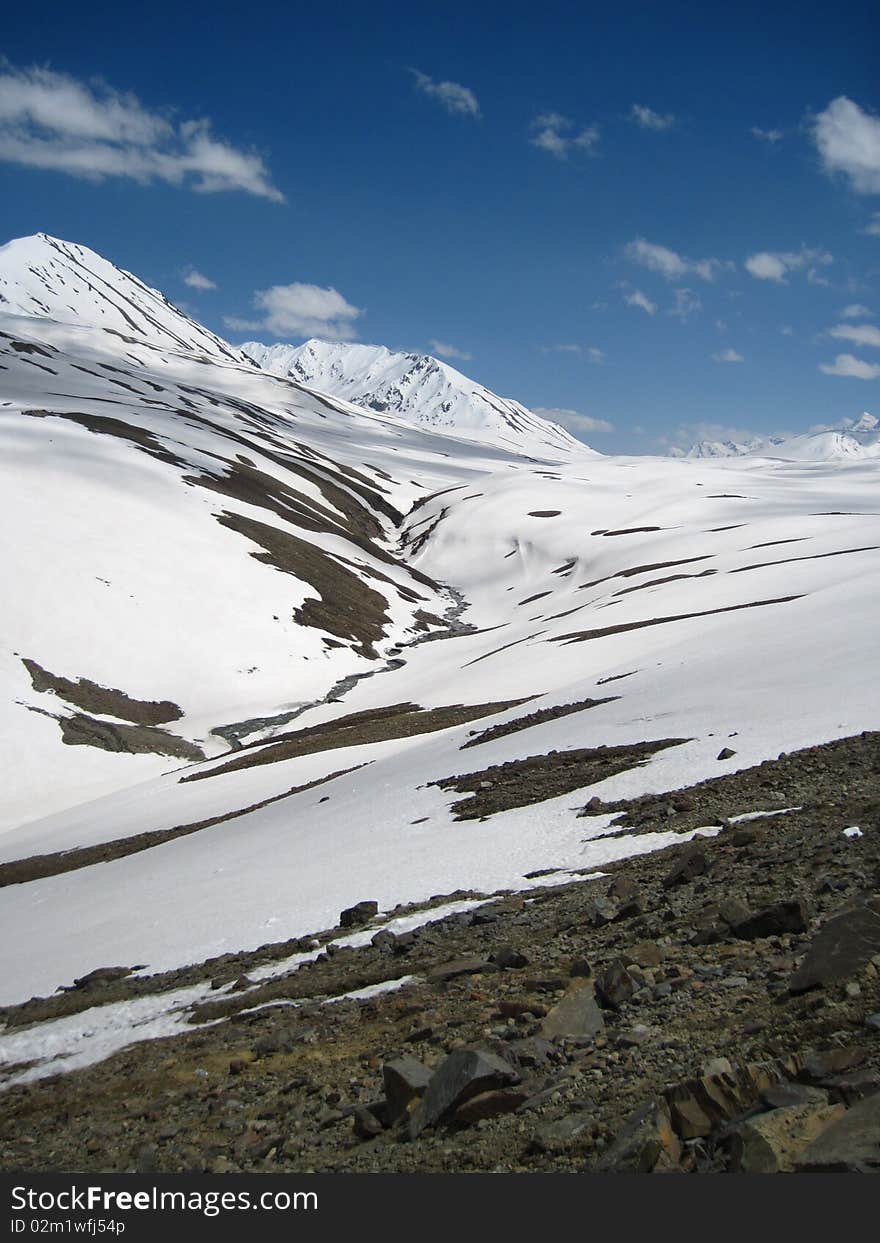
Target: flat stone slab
840 949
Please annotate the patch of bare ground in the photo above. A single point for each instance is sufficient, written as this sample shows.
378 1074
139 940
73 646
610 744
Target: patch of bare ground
404 720
106 701
81 730
521 783
36 867
582 636
102 425
674 973
535 718
346 607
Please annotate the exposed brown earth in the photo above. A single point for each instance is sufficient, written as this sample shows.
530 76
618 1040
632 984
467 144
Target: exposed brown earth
706 1008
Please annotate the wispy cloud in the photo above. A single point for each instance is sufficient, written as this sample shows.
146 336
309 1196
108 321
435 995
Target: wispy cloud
640 300
848 141
574 420
767 135
52 121
564 348
859 334
646 118
595 355
559 136
686 304
776 265
458 100
196 280
668 262
449 351
728 356
851 367
872 228
299 310
855 310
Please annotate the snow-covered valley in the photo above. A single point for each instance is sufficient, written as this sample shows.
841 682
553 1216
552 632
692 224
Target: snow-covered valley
245 607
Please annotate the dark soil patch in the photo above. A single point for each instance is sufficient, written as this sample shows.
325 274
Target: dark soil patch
535 718
520 783
404 720
81 730
347 607
106 701
101 425
583 636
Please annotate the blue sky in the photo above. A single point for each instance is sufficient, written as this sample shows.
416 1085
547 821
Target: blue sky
661 218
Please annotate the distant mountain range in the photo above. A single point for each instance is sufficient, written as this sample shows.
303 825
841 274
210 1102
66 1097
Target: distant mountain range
861 440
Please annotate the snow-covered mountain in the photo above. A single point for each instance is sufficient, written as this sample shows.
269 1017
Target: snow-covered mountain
860 441
45 277
418 388
225 589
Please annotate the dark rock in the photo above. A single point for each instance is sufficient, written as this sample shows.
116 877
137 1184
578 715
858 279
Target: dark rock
644 954
726 754
508 958
645 1143
558 1136
576 1016
532 1052
384 940
360 913
404 1080
511 1009
787 1095
791 915
691 863
366 1124
851 1145
614 986
772 1143
842 947
458 967
100 976
820 1064
491 1104
623 889
460 1076
599 911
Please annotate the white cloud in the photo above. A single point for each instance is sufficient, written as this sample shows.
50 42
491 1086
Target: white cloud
458 100
686 303
196 280
53 121
728 356
873 227
855 311
448 351
848 141
648 119
787 330
668 262
775 265
852 367
573 420
559 136
637 298
561 349
595 355
300 310
859 334
767 135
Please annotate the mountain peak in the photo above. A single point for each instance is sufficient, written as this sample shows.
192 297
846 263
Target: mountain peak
419 388
47 277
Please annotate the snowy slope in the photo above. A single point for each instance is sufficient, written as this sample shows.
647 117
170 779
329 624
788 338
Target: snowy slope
418 388
44 276
707 604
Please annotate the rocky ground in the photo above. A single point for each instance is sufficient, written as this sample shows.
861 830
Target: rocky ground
714 1006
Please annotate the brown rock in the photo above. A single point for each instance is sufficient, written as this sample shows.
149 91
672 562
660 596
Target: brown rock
771 1143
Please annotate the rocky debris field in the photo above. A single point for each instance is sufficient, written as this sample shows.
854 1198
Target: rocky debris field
711 1007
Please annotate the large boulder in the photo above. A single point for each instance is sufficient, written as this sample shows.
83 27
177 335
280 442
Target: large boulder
465 1073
